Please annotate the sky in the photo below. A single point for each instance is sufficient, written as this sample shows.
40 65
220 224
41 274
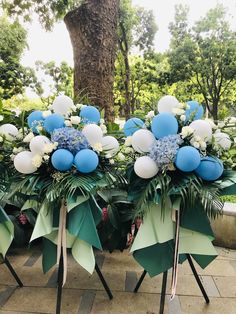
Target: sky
56 45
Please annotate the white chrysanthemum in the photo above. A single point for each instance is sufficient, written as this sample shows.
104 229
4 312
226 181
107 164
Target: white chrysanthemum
75 120
186 131
128 141
37 160
28 137
97 147
178 111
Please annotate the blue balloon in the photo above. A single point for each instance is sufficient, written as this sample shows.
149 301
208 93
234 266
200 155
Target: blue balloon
52 122
86 160
90 114
195 111
34 119
62 159
210 169
187 159
132 125
164 124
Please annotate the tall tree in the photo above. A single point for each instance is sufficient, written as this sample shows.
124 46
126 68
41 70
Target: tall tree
14 78
204 54
92 26
136 28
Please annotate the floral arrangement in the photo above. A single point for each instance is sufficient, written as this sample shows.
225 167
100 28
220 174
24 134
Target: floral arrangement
58 162
178 166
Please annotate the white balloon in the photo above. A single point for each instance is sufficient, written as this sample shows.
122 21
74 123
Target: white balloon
145 167
62 104
223 140
9 129
110 145
93 133
142 140
202 128
37 144
23 162
167 104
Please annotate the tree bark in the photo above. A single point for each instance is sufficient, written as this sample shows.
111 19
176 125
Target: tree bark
93 33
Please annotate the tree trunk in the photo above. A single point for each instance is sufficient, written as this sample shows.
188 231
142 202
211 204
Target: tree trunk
215 110
93 33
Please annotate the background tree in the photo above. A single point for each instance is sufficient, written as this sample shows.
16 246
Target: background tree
136 28
14 78
92 27
204 55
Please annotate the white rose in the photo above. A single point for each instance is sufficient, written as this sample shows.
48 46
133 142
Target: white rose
102 121
203 145
79 106
128 141
48 148
196 144
28 137
46 157
97 147
75 120
186 131
37 160
128 150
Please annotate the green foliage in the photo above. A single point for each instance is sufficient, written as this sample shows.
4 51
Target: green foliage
14 78
204 55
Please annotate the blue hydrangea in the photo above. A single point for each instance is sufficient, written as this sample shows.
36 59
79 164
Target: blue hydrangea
70 138
164 150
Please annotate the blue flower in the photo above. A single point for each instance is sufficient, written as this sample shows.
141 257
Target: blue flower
70 138
164 150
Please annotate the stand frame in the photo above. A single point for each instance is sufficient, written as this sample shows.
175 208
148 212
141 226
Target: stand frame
164 281
12 271
60 283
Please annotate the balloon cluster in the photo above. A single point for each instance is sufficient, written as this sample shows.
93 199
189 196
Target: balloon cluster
67 146
176 137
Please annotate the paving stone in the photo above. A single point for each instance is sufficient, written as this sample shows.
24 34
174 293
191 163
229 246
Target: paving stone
43 300
121 261
226 286
127 303
196 305
210 286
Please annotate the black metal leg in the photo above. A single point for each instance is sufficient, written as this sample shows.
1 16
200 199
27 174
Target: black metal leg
14 274
59 285
140 281
198 279
163 292
105 285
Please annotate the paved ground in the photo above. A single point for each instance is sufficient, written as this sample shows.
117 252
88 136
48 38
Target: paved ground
84 294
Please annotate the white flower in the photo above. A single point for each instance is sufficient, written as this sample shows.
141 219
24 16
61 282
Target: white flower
212 124
128 141
97 147
128 150
28 137
75 120
183 117
39 128
102 121
17 111
186 131
108 155
68 123
17 150
37 160
46 157
1 117
1 139
46 113
48 148
112 161
79 106
196 144
121 157
221 124
197 138
150 114
103 128
19 136
73 108
178 111
203 145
